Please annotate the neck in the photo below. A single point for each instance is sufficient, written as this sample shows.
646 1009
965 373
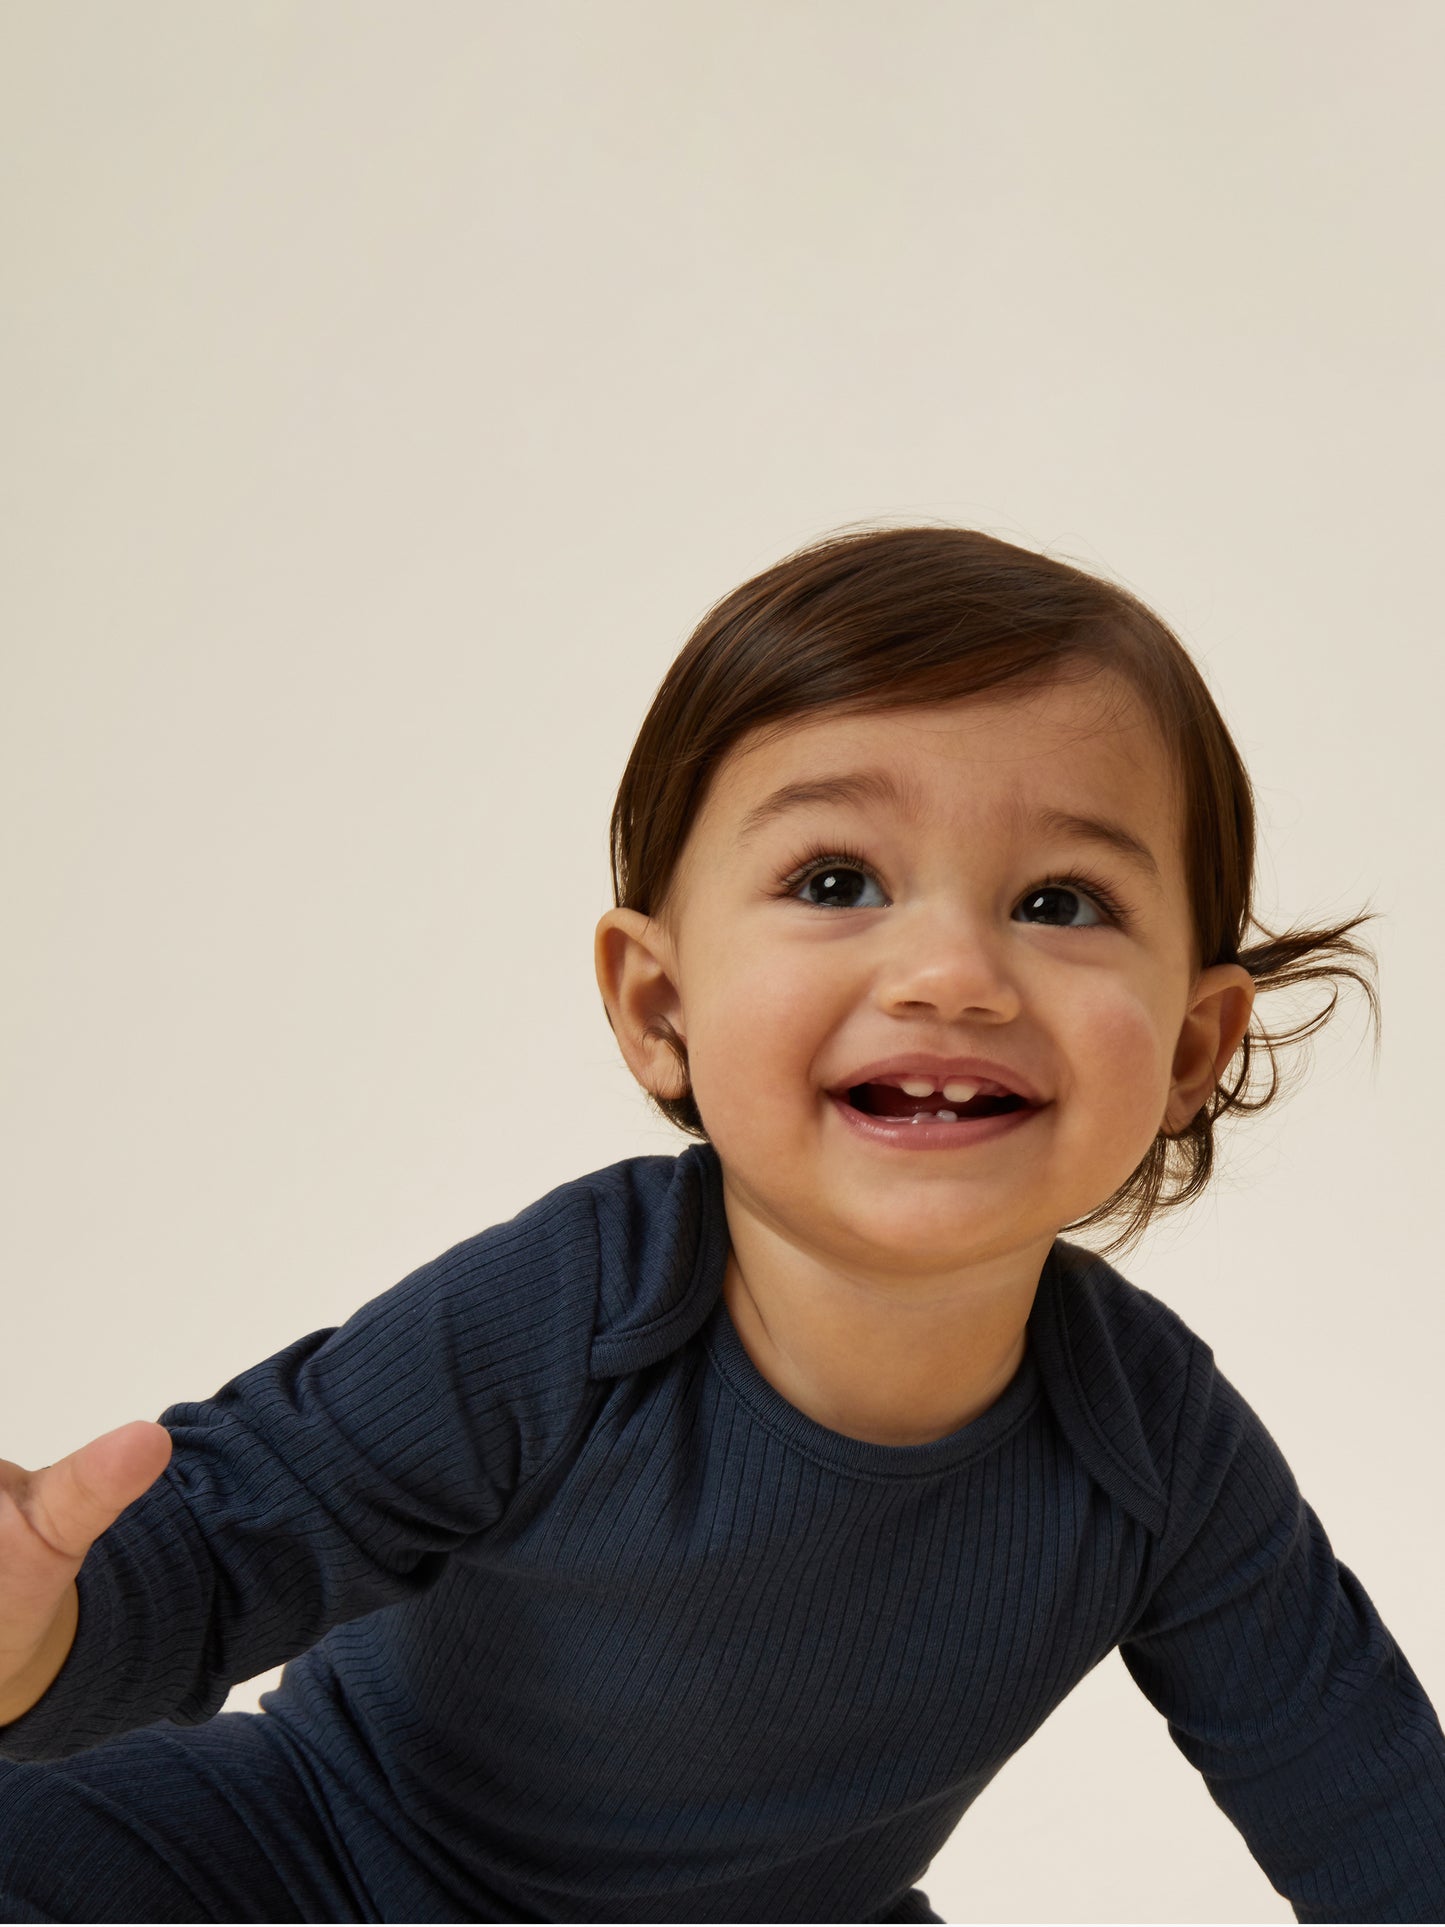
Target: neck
875 1365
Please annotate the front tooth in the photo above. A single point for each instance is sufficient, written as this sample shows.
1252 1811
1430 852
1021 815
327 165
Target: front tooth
916 1087
959 1092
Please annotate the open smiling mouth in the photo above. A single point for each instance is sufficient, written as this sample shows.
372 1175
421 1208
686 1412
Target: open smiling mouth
886 1100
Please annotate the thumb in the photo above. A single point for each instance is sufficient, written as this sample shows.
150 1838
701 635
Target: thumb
73 1501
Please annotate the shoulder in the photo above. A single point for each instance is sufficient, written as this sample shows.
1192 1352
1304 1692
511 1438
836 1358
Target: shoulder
1123 1371
662 1246
626 1260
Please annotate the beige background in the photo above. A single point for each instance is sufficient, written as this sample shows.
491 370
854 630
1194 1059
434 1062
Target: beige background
387 391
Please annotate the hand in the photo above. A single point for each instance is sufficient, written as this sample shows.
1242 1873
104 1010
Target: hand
48 1522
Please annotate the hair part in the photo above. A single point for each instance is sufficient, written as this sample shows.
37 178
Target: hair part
871 619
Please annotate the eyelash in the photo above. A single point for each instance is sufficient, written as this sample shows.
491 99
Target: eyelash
818 856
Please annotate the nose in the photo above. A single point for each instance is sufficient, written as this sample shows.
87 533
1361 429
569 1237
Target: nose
950 965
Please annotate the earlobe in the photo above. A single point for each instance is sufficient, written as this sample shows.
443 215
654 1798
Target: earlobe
639 996
1212 1031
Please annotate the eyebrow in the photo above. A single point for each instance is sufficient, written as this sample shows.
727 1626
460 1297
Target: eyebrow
881 786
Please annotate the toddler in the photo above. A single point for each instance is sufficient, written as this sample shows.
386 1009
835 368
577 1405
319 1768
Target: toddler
698 1544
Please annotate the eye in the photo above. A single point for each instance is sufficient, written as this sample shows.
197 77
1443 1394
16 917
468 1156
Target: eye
1072 886
834 871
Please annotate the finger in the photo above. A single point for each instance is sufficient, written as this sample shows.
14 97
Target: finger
69 1504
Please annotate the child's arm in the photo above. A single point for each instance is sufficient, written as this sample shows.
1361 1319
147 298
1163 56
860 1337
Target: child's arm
330 1480
1282 1685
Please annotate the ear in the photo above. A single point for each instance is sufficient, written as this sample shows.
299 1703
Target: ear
1217 1018
636 973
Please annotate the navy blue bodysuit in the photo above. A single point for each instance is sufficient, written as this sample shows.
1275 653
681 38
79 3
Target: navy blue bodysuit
585 1621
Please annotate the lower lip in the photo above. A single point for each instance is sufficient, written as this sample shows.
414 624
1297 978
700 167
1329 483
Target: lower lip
904 1134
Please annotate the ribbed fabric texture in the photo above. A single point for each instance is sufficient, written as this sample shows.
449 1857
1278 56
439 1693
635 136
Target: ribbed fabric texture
603 1628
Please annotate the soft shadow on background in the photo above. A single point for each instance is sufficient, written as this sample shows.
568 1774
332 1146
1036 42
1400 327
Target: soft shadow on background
387 392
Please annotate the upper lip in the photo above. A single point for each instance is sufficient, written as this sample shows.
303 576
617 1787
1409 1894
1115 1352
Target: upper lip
941 1070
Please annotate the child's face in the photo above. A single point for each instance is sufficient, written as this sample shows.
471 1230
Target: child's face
780 993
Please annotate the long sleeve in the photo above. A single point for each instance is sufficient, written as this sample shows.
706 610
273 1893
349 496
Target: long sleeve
1280 1683
330 1480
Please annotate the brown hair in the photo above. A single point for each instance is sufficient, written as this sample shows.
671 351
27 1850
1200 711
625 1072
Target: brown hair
880 618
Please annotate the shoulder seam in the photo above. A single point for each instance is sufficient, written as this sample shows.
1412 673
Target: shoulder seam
1130 1475
589 1396
1199 1359
638 1345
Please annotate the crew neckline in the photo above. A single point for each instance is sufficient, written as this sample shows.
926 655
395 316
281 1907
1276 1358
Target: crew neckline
807 1435
848 1454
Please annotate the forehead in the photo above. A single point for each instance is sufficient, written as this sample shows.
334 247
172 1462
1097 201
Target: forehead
1065 744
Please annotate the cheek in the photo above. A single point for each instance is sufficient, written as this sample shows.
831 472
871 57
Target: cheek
787 999
754 1041
1119 1051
